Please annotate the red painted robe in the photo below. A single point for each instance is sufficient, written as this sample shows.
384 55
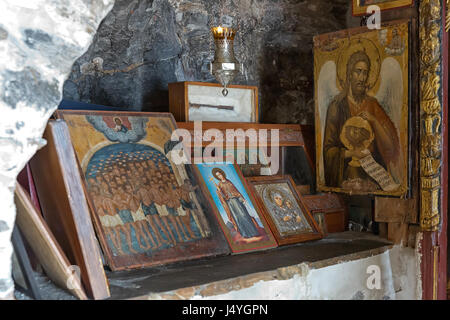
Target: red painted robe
336 165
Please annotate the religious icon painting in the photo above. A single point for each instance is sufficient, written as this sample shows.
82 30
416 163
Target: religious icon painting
236 210
362 110
282 206
147 210
321 221
360 6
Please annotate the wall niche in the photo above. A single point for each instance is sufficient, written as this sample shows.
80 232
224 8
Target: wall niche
143 45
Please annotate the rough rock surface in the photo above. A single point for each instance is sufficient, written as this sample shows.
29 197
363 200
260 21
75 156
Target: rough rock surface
39 40
142 45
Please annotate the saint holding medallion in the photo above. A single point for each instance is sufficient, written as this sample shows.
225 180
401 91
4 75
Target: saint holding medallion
361 103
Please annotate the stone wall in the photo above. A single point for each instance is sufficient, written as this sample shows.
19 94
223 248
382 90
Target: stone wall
39 40
142 45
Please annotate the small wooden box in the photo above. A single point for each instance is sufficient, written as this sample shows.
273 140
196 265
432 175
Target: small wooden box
333 208
191 101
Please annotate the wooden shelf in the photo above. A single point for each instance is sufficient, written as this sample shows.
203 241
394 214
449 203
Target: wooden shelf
290 135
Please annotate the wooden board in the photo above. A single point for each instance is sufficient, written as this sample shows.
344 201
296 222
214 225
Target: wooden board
336 221
26 181
398 233
44 245
290 135
360 7
395 210
276 137
65 209
147 210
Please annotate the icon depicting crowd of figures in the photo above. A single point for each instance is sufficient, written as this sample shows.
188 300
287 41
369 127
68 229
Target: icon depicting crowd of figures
141 205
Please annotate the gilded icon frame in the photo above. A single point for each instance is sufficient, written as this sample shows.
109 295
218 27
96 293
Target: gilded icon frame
359 7
388 53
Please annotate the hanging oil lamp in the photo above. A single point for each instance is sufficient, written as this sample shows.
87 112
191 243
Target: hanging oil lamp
225 66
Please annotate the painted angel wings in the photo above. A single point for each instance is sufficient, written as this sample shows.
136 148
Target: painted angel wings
390 92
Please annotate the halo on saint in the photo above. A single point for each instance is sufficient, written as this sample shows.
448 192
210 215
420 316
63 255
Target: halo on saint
215 171
353 46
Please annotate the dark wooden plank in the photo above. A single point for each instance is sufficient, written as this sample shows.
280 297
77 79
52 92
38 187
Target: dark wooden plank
64 206
26 181
178 100
25 265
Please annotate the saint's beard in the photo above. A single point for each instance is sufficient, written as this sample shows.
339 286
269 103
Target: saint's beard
358 92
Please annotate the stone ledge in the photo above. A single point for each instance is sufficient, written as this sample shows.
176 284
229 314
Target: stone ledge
216 276
238 283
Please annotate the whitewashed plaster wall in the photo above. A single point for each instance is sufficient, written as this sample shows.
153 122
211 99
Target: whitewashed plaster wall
399 275
39 41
